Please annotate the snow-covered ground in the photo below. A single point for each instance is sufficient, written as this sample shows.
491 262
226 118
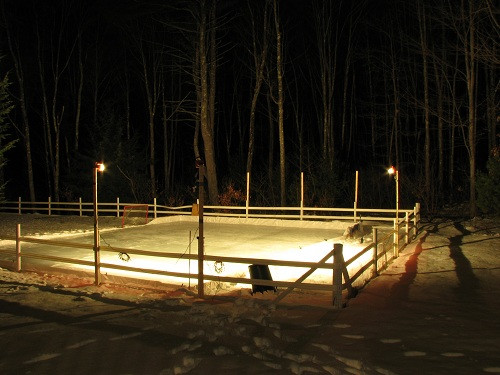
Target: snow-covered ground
433 311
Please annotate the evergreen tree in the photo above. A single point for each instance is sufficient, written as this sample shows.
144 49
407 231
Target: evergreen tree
5 144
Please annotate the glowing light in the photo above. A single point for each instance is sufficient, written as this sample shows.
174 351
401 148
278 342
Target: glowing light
391 170
100 167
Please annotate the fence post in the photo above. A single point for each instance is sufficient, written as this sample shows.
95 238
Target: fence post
50 207
337 275
407 228
416 219
375 252
18 247
97 257
301 195
154 208
189 262
247 203
80 206
19 206
356 197
117 206
396 238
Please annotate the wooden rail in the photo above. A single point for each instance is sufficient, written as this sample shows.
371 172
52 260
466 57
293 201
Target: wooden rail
154 210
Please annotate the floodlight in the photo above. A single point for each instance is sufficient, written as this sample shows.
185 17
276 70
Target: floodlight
100 166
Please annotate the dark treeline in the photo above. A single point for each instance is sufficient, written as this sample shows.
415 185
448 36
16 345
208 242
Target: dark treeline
271 87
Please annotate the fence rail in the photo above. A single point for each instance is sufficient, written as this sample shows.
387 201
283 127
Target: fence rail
154 210
379 253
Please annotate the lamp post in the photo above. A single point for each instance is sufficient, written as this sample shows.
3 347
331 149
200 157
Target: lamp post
98 167
394 171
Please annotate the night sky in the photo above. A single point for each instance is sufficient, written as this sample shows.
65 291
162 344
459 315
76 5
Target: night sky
366 84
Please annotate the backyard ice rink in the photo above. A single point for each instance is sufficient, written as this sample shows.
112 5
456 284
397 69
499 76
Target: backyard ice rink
290 240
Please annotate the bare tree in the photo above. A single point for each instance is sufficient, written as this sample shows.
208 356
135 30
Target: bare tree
79 95
151 62
280 103
328 32
207 72
60 55
22 100
468 15
425 56
259 60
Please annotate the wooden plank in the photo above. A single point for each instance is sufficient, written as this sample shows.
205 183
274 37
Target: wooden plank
303 277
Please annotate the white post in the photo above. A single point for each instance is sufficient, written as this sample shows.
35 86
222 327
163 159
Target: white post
397 195
18 247
247 203
416 219
301 195
154 207
19 206
396 238
117 207
407 228
97 245
50 208
356 197
189 262
80 205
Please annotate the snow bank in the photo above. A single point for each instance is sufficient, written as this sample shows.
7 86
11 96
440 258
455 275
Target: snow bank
334 224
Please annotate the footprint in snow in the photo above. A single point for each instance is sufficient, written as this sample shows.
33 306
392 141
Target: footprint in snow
323 347
123 337
452 354
414 353
43 357
356 337
492 370
390 341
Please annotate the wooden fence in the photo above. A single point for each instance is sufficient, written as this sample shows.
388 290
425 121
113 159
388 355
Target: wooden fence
154 210
381 251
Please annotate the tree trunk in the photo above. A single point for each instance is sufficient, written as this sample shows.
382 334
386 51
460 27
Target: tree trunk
440 113
270 154
491 107
207 102
395 112
281 130
454 111
259 62
427 145
16 58
373 120
79 95
327 50
470 67
148 68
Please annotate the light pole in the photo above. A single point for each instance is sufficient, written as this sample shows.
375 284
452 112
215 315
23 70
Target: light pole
98 167
394 171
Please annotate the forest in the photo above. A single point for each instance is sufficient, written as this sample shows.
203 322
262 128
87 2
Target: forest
271 88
